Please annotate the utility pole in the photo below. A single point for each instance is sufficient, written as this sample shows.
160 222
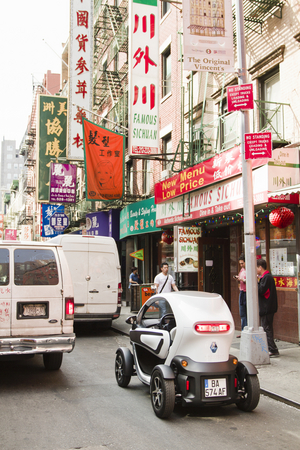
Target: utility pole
254 347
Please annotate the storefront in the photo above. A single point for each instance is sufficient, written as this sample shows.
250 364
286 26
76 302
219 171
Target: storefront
217 210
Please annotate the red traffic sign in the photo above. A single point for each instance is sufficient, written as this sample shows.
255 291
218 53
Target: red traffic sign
258 145
240 97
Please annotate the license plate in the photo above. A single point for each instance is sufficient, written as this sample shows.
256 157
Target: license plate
36 310
215 387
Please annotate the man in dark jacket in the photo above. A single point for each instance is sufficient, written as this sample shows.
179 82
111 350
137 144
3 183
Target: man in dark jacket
267 300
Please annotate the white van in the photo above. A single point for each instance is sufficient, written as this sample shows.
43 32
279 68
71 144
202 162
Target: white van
95 269
36 301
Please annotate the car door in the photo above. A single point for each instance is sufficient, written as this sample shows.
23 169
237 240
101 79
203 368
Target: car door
147 334
5 293
37 306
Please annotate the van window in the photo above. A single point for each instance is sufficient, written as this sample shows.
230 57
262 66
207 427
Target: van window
35 267
4 267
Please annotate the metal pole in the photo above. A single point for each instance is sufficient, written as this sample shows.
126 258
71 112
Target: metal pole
254 346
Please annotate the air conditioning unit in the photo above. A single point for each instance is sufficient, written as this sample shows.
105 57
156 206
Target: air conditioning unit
166 174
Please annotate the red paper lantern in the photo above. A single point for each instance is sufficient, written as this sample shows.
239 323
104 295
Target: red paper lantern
167 237
281 217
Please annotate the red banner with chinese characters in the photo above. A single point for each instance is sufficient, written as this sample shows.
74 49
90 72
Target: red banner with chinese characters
286 282
104 162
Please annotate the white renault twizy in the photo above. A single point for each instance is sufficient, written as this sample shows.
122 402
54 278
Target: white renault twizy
180 348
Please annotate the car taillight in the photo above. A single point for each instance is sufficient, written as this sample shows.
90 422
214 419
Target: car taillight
69 302
212 327
120 290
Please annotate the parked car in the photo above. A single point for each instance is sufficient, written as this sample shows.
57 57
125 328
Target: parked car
36 302
96 274
180 348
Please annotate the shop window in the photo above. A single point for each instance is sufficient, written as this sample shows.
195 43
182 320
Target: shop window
166 75
283 262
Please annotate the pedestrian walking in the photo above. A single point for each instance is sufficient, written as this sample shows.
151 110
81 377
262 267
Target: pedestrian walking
164 282
241 279
133 277
267 300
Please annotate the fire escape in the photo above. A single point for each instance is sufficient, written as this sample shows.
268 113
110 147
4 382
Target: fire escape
206 128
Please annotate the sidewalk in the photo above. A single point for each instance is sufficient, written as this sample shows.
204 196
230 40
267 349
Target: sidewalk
281 377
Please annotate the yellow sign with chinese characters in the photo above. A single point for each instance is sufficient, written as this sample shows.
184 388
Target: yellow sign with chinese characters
51 139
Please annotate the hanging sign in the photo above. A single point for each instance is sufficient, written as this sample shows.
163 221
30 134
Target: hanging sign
240 97
104 152
139 254
59 221
208 36
258 145
63 183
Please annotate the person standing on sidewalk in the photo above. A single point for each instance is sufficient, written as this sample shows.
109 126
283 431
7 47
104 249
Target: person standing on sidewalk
163 281
267 300
241 278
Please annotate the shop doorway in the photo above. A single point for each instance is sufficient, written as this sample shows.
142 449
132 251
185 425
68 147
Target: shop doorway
214 266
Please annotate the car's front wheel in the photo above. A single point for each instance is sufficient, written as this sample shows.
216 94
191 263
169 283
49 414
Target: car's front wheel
251 393
52 361
162 394
120 368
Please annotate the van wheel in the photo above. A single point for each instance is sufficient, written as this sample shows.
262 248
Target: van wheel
52 361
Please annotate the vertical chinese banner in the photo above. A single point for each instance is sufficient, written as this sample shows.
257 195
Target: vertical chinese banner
104 152
208 36
143 77
51 138
80 73
63 183
26 233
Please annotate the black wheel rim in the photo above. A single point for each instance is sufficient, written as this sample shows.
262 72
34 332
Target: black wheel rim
157 393
119 368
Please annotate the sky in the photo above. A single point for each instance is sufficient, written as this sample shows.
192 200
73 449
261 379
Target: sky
31 37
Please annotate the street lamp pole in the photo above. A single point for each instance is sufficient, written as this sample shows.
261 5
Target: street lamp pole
254 346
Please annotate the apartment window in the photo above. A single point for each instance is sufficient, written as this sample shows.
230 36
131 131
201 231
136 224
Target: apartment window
166 65
165 7
270 109
167 152
229 128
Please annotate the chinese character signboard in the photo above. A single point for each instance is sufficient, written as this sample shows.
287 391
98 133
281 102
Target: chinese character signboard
10 234
59 221
104 162
258 145
138 218
240 97
186 248
63 183
97 223
143 77
47 212
52 138
26 232
208 36
80 73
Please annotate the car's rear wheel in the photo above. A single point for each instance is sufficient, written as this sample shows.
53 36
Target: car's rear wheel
162 395
52 361
120 369
250 397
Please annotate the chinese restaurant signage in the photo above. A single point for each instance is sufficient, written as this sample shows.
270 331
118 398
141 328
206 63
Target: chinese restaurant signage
52 138
80 73
104 162
10 234
143 77
240 97
47 212
220 198
186 248
208 36
138 218
63 183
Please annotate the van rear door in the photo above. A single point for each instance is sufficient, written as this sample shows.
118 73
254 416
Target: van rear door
103 272
37 291
5 293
